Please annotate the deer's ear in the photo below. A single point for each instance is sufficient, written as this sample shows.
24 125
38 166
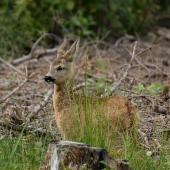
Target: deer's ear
69 55
63 47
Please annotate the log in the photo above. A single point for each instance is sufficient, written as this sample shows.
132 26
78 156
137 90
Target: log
68 155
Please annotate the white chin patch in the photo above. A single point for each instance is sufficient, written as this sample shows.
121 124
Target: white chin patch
49 82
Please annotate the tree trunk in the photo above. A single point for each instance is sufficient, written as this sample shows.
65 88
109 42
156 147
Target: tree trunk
68 155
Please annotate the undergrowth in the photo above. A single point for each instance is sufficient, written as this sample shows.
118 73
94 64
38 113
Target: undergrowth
26 151
23 21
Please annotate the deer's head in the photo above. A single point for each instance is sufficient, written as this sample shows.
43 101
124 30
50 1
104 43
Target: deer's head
61 69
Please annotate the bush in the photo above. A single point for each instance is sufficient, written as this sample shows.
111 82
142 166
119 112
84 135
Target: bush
22 21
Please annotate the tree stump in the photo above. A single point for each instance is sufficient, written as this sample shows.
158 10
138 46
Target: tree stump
68 155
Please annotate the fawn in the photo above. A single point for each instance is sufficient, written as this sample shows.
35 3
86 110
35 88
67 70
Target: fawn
114 108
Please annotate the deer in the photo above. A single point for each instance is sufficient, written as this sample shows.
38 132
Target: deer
118 111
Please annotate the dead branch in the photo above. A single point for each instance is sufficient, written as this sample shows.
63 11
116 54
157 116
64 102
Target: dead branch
44 103
149 48
164 32
19 128
129 37
40 107
157 143
144 137
83 84
129 66
39 52
126 73
16 88
153 65
36 53
11 66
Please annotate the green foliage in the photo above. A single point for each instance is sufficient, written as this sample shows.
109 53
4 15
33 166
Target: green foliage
139 87
100 85
23 21
151 89
155 88
27 154
102 64
11 78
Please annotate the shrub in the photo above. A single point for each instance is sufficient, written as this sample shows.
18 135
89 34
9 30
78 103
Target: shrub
22 21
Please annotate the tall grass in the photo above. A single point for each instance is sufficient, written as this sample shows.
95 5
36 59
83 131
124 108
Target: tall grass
23 151
26 151
31 148
124 146
29 152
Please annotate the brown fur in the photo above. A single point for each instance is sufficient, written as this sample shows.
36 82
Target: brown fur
116 112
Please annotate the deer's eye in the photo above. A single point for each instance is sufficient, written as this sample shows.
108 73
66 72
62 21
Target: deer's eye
60 68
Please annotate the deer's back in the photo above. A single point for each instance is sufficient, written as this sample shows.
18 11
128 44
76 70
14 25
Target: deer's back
116 110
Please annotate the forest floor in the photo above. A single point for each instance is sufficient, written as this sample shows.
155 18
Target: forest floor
146 85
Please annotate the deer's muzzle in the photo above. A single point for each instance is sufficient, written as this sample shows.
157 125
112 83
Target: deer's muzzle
49 79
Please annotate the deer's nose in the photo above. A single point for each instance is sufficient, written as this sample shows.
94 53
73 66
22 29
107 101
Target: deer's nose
48 79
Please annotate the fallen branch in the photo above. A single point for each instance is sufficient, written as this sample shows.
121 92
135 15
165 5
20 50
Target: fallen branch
126 73
43 104
83 84
37 52
19 128
138 61
164 32
144 137
17 88
157 143
11 66
129 66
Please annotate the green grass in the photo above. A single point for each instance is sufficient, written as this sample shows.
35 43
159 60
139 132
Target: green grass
27 151
22 150
31 151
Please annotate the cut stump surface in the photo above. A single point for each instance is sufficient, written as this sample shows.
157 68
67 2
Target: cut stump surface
63 155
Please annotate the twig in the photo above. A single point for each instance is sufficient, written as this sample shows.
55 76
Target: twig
126 73
16 88
106 35
11 66
153 65
20 128
130 37
129 66
83 84
150 47
95 46
164 32
43 104
144 136
39 39
138 61
36 52
157 143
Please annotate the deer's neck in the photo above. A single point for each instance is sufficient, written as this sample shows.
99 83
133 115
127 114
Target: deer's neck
62 94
